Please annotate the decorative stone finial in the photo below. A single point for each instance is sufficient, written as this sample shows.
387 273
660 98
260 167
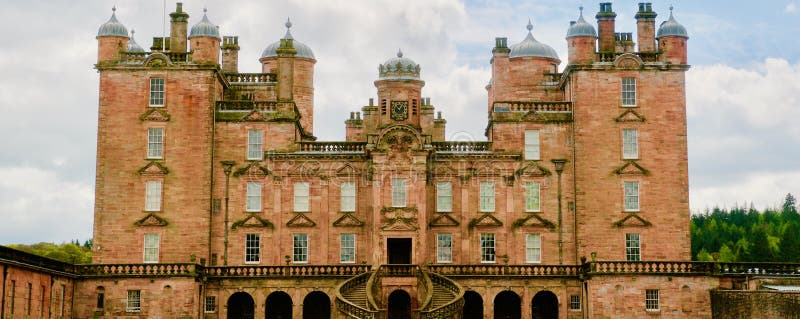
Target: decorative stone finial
205 10
530 25
288 23
581 9
114 9
399 53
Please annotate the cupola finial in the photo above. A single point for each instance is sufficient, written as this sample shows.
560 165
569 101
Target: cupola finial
530 25
399 53
288 23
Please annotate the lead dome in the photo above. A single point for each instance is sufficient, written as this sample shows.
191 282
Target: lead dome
204 28
530 47
399 68
581 28
113 28
303 51
671 27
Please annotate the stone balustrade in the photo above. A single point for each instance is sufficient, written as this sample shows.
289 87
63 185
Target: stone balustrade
333 147
532 106
286 271
251 78
248 105
611 57
507 270
139 270
401 270
462 147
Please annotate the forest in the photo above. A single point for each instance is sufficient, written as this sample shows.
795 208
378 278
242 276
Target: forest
743 234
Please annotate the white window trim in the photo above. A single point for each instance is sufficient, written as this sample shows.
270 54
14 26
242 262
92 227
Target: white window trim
527 247
255 148
637 196
302 197
157 249
348 190
531 186
491 206
569 306
657 300
205 304
638 247
440 190
494 247
635 92
532 145
163 92
152 143
440 248
258 248
152 196
635 145
129 307
308 250
341 249
399 192
257 189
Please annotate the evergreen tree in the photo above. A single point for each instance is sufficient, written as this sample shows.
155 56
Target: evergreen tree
703 255
760 251
790 244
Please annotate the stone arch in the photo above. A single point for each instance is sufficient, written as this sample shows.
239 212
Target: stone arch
317 305
473 305
399 131
241 306
544 305
278 306
399 305
507 305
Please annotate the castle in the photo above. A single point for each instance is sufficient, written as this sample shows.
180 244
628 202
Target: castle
214 198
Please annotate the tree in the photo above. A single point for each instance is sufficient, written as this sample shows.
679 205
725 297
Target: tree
703 255
726 254
790 244
789 208
760 251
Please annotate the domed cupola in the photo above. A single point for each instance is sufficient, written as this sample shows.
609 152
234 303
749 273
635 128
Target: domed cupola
399 68
530 47
113 28
133 46
204 28
303 51
671 27
581 28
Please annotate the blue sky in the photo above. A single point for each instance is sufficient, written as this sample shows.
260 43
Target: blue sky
743 89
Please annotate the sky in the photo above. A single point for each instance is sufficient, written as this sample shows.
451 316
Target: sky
743 90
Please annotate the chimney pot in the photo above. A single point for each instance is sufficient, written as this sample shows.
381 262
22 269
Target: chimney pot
371 101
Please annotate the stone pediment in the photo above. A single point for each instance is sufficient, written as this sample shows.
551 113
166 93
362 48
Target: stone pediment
157 60
155 114
154 168
443 220
253 221
629 116
487 171
254 168
533 169
633 220
152 220
300 220
628 61
254 116
534 220
347 170
444 170
306 169
348 220
631 168
399 218
485 220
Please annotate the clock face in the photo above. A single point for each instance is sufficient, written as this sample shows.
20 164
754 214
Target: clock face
399 110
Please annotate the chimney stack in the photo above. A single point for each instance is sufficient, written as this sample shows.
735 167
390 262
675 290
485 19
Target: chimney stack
230 54
646 27
177 29
606 20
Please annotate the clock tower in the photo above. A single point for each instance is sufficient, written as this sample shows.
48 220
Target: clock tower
399 92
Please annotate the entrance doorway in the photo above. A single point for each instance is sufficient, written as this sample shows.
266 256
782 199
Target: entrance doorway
399 305
241 306
507 305
317 305
473 305
544 305
279 306
399 250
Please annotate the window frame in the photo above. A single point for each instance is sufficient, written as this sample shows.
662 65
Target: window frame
443 251
253 197
529 187
301 196
347 196
444 197
487 198
399 192
652 300
488 253
155 92
252 253
134 301
633 247
574 303
255 145
631 202
630 149
630 89
155 143
343 249
529 251
300 251
153 190
532 151
151 248
213 304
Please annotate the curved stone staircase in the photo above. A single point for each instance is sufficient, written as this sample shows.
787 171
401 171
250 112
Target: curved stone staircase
440 297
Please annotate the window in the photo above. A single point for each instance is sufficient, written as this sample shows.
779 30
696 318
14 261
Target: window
633 251
101 299
651 299
300 248
487 248
156 92
444 248
253 197
155 142
252 249
151 242
532 145
152 196
628 92
533 248
348 198
487 197
134 303
444 197
575 303
630 144
211 304
398 192
254 143
347 248
301 197
532 203
631 196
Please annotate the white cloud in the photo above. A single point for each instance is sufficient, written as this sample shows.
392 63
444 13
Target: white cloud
791 7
